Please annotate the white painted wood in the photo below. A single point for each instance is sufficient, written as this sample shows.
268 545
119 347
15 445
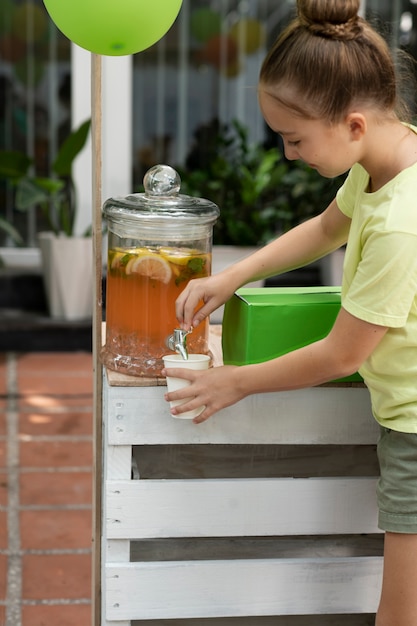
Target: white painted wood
117 153
111 552
240 507
242 587
236 508
117 550
322 415
118 462
28 259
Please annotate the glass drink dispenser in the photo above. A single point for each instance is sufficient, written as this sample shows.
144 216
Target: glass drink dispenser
158 241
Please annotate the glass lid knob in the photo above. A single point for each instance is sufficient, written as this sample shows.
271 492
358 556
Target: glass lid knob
162 180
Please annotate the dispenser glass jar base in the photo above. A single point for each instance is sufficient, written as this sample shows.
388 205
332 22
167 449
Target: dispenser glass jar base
135 355
143 284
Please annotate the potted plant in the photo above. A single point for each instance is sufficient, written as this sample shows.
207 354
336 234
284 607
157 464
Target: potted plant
241 178
10 231
66 258
17 162
258 191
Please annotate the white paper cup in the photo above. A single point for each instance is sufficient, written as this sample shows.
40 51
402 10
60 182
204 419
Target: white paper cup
194 362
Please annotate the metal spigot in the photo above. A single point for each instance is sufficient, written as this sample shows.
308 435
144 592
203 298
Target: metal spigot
177 342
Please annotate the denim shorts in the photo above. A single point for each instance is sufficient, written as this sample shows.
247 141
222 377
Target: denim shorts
397 485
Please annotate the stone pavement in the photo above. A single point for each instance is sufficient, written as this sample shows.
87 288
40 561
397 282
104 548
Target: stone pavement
46 407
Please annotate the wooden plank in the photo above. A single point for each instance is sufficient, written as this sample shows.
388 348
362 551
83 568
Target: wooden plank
246 507
364 619
221 548
320 415
118 462
189 589
116 551
96 127
253 461
117 379
112 551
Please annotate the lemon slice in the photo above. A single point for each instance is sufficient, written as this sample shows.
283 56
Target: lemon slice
116 258
150 265
179 256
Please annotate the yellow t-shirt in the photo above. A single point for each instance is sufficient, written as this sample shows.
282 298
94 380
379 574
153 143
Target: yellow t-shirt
380 286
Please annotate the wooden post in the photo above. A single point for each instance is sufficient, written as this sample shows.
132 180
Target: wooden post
96 119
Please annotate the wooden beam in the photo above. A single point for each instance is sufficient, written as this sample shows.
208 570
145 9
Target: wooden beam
96 125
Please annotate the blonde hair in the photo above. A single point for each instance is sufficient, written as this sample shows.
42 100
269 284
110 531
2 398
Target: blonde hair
331 58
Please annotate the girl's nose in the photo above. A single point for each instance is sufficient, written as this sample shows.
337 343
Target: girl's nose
291 152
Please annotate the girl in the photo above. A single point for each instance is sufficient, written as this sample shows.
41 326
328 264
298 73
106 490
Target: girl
328 87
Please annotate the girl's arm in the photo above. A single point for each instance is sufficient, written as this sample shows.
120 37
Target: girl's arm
303 244
339 354
348 345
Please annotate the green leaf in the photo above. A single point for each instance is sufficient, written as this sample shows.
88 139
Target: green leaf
33 191
71 147
196 264
51 185
14 165
29 194
11 231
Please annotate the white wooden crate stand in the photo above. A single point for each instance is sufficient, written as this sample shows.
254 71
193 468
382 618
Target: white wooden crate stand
278 523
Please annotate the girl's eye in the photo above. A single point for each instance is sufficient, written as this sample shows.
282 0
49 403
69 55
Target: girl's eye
293 143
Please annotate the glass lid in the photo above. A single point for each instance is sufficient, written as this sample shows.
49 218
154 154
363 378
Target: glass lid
161 198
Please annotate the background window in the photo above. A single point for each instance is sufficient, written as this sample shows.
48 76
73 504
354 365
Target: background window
35 97
195 82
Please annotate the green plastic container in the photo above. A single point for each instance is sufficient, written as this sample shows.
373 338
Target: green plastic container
261 324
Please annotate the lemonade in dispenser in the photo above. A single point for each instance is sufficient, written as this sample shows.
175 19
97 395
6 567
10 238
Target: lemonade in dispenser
158 241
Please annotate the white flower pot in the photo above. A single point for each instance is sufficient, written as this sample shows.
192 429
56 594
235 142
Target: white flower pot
67 264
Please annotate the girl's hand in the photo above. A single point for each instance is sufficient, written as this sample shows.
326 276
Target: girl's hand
214 389
212 292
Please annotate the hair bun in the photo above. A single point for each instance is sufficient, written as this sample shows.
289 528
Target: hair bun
335 19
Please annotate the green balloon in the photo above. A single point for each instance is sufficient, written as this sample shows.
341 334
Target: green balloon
113 27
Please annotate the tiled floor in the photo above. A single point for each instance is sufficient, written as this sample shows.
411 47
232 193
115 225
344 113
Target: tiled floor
46 406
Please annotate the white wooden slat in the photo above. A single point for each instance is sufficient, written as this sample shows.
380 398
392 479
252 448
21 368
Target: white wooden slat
251 587
240 507
112 552
118 462
116 550
321 415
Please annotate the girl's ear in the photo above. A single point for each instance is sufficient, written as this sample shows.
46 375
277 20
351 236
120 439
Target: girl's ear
356 124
